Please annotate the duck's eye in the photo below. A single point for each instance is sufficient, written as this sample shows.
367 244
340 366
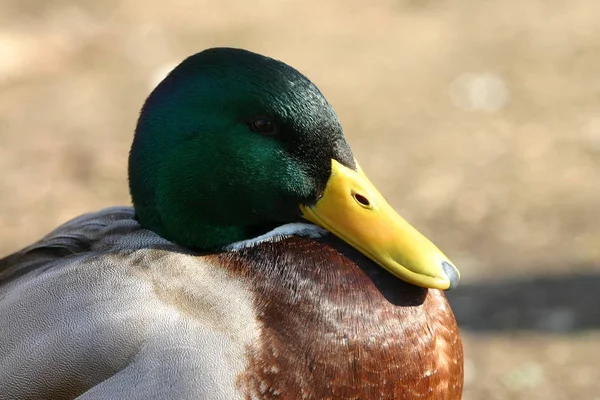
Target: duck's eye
263 126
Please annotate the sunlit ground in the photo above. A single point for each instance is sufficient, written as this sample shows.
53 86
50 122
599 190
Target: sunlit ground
480 121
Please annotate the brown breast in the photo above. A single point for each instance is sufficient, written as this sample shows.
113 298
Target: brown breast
337 326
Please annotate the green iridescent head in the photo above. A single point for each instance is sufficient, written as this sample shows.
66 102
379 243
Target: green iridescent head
229 145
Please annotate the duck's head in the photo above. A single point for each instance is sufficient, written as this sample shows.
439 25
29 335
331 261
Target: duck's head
231 144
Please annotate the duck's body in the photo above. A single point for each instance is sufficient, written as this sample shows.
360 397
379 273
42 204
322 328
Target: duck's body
138 317
216 286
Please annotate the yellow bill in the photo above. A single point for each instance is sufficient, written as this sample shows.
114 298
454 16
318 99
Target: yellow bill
354 210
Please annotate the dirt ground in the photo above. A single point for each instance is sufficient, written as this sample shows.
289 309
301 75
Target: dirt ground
479 120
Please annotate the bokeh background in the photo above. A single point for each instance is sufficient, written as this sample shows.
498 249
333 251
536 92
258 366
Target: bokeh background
479 120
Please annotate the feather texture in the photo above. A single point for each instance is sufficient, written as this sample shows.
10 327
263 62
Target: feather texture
101 308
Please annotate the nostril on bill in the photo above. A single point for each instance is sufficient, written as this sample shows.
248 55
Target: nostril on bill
362 199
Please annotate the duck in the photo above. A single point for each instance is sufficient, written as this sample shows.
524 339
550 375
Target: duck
257 262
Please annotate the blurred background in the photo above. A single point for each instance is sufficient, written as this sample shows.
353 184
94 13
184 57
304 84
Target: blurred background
479 120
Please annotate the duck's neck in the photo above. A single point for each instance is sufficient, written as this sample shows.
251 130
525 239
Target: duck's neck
195 234
298 229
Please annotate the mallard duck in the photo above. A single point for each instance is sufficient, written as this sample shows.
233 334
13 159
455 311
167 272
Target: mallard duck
257 262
